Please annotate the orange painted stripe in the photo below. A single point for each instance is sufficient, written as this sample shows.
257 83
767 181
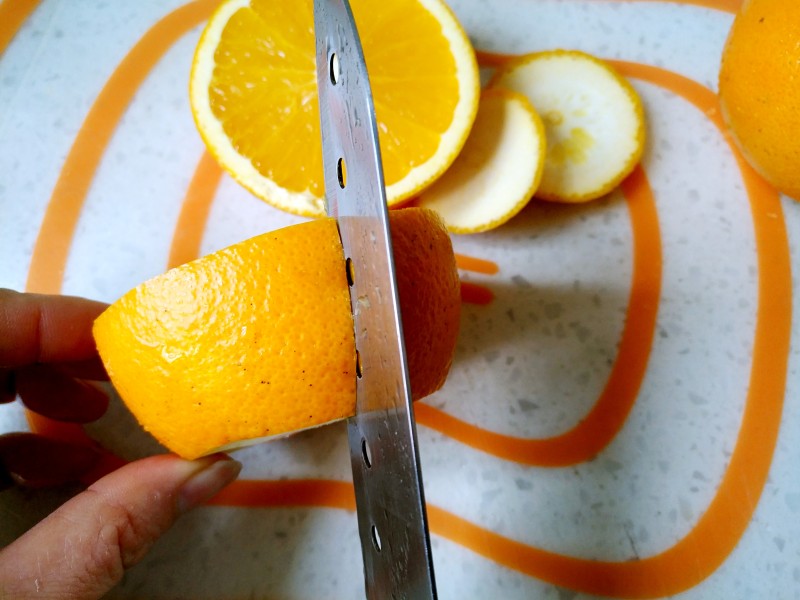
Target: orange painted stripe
58 226
13 13
288 493
608 415
473 293
51 249
478 265
194 212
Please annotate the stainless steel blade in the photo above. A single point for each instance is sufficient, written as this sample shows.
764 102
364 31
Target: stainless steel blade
392 519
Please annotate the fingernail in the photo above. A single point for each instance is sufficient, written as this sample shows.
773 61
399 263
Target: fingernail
217 472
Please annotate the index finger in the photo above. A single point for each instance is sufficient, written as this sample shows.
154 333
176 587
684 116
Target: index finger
38 328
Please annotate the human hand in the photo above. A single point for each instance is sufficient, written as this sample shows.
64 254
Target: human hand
82 549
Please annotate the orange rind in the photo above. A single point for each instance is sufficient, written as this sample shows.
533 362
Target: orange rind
593 119
256 340
498 170
758 89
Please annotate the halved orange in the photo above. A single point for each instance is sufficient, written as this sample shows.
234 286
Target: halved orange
256 340
254 97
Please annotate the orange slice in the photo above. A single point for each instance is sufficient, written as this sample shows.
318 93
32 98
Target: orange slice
498 170
256 340
592 116
254 97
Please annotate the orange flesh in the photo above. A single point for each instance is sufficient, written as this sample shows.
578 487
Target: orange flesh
270 78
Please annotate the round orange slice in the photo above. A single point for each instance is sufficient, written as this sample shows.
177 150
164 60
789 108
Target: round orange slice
593 119
498 170
254 97
256 340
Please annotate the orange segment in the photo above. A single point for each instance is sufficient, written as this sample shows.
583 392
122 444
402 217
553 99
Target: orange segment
256 340
254 98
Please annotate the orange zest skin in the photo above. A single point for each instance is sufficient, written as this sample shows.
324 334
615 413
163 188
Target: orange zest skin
219 350
721 526
256 340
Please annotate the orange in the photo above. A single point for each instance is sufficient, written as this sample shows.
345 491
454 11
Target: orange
593 120
498 170
759 89
256 340
253 95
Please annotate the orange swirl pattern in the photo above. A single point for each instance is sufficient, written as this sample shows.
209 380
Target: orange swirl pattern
12 16
608 415
672 571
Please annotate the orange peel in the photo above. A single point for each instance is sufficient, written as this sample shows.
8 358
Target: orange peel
498 170
256 340
593 118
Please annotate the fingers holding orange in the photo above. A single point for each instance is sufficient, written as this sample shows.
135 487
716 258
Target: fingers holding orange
50 392
34 461
36 328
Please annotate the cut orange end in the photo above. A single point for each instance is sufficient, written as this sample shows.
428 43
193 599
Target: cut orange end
498 170
256 340
254 97
592 116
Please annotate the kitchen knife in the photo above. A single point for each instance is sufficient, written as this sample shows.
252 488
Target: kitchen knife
392 519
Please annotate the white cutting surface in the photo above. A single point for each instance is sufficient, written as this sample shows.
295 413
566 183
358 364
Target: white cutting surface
530 364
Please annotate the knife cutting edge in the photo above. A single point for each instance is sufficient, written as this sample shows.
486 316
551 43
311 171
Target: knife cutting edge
392 518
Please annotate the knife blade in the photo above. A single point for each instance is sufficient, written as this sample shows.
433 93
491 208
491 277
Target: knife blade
392 519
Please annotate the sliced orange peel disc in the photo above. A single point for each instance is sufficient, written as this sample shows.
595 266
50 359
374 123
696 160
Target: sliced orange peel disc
498 170
593 118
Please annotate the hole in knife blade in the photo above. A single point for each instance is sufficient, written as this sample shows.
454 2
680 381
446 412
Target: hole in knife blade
350 270
359 372
333 68
376 538
341 172
366 453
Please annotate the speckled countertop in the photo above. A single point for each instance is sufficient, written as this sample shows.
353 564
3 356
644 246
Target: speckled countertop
622 418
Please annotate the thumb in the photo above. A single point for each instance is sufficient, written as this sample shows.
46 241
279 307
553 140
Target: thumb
82 549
